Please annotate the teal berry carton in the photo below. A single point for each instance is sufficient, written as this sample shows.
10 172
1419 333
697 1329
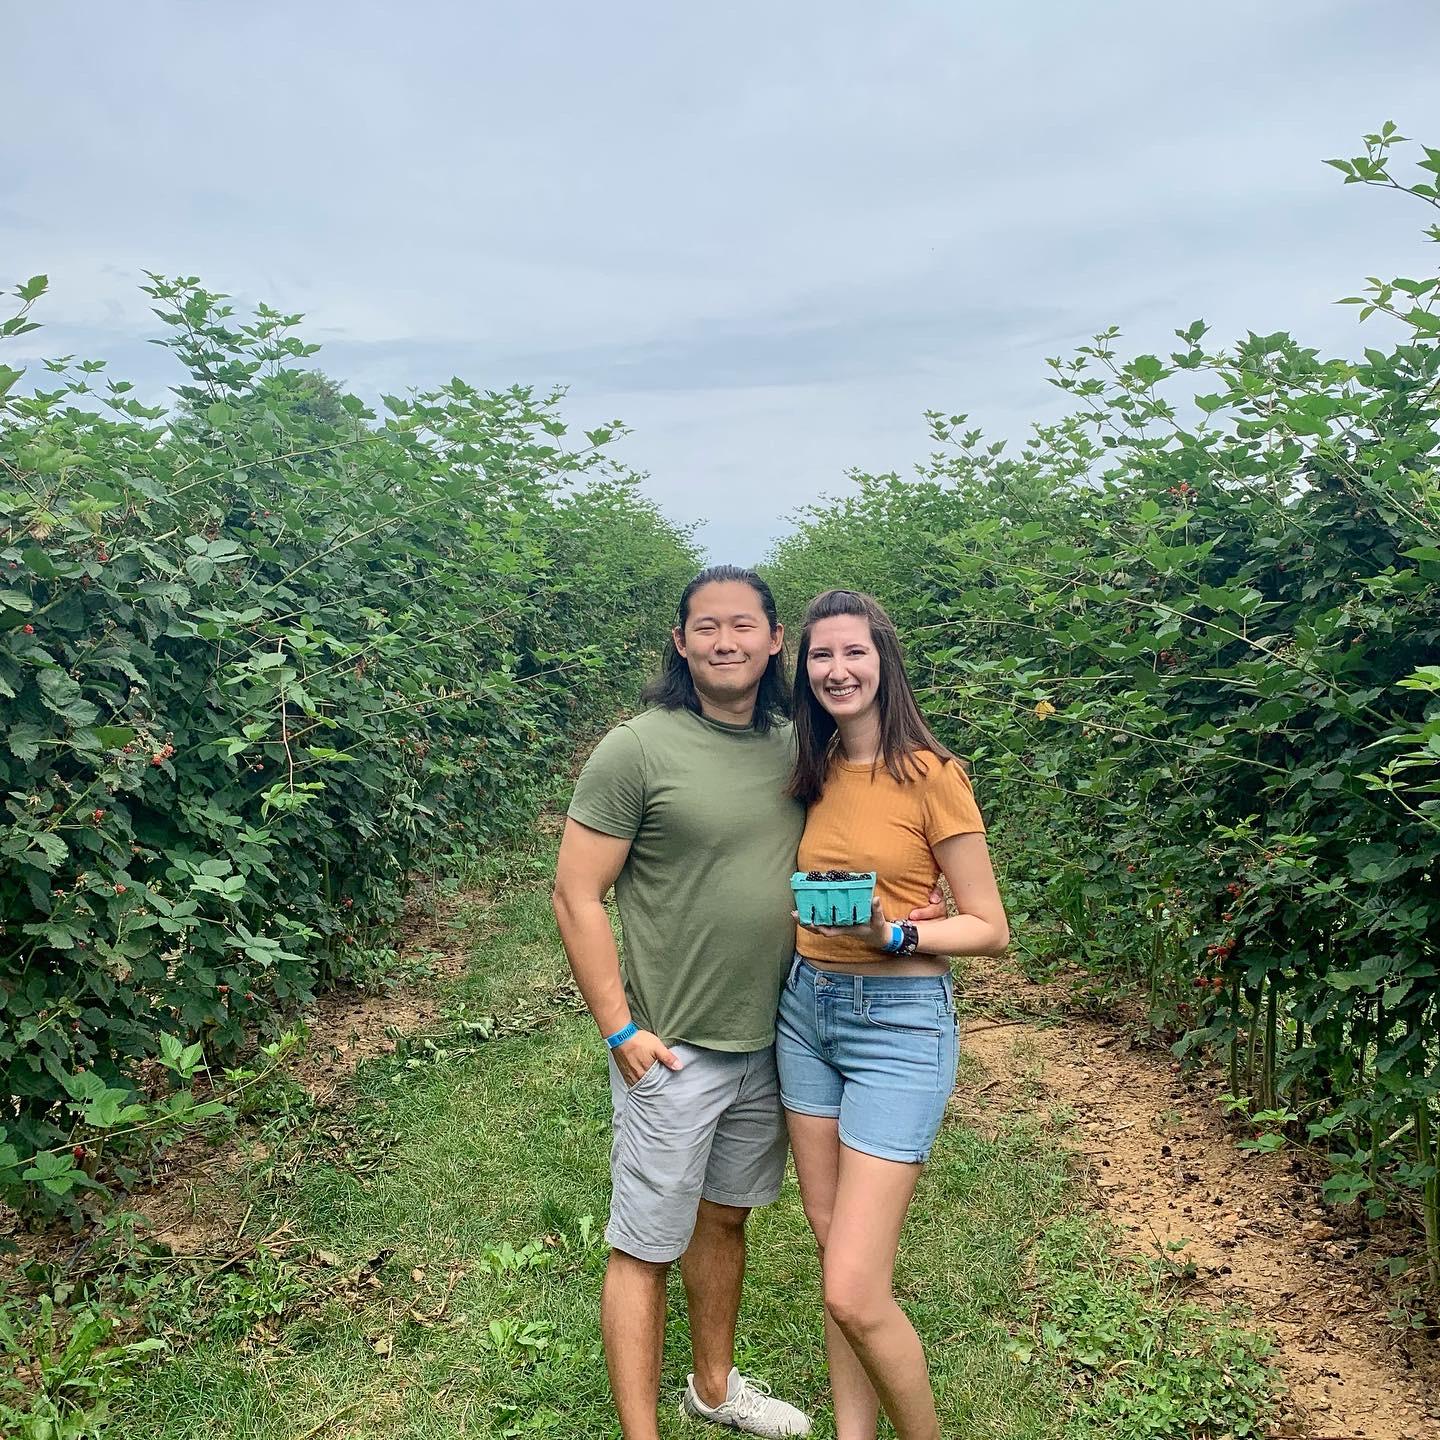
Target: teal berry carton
833 897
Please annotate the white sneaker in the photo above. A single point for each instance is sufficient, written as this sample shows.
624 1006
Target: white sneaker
748 1406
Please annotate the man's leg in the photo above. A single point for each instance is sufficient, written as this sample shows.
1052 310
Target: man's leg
746 1168
713 1269
632 1322
664 1128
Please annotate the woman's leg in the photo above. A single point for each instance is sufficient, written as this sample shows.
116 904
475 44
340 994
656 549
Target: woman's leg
871 1197
815 1143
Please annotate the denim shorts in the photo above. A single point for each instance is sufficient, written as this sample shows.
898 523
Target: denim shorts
878 1052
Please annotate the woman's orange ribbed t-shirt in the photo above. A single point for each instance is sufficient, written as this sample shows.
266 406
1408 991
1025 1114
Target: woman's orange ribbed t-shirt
866 820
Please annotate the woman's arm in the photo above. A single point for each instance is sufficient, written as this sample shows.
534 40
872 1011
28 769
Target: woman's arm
980 927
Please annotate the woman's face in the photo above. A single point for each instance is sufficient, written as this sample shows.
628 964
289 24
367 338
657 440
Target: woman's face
843 665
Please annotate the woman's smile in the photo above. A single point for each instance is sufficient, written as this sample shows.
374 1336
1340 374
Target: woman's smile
843 665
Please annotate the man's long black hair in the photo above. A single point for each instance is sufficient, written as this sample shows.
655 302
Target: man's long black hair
674 689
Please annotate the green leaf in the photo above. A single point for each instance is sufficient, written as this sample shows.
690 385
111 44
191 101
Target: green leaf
115 737
1239 600
54 849
57 1173
58 688
39 563
1148 369
24 740
1375 862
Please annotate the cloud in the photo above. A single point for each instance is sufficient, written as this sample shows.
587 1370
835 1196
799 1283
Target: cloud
767 236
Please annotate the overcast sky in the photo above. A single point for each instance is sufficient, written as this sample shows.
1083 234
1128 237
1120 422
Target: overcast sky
768 237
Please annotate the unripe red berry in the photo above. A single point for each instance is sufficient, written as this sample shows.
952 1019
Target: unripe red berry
79 1152
28 629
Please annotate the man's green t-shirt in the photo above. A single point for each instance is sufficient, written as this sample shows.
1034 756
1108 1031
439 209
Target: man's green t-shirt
704 894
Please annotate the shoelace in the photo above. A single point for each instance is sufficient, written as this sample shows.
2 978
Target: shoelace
753 1399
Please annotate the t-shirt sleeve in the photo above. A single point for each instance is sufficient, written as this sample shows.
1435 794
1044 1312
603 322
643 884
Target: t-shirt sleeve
950 807
610 793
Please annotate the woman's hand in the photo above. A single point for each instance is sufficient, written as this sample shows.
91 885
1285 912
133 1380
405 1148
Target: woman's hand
877 932
880 931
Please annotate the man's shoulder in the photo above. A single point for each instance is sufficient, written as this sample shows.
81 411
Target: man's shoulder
650 728
641 738
658 719
661 725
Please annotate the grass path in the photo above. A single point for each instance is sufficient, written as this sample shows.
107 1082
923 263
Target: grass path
471 1262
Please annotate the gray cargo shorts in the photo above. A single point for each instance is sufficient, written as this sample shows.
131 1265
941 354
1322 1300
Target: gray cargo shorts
713 1130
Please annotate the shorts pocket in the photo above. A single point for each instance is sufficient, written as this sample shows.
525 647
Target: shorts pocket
920 1015
646 1078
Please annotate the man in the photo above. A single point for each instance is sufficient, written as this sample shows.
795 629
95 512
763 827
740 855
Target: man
683 810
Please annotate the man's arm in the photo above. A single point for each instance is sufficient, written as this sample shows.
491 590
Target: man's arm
588 864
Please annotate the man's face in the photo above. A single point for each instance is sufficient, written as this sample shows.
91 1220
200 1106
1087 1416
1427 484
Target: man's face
727 641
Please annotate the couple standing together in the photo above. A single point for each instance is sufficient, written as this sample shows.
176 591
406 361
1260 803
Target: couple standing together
695 812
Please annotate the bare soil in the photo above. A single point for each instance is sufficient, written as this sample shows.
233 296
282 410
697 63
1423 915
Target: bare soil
190 1202
1164 1167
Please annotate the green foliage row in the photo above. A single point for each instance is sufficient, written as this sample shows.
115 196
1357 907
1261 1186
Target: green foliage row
262 654
1189 637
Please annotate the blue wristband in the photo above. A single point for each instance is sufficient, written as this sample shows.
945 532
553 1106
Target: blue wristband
897 939
616 1040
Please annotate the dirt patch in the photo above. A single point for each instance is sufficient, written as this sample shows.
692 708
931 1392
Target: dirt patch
1165 1168
191 1203
348 1026
192 1207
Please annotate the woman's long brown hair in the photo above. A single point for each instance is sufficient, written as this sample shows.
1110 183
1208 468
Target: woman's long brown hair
902 729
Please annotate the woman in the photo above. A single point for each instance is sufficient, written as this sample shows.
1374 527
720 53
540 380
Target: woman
867 1032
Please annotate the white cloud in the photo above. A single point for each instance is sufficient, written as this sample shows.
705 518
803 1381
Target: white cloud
767 236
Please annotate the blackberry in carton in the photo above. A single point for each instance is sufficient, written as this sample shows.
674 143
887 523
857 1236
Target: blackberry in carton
833 897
